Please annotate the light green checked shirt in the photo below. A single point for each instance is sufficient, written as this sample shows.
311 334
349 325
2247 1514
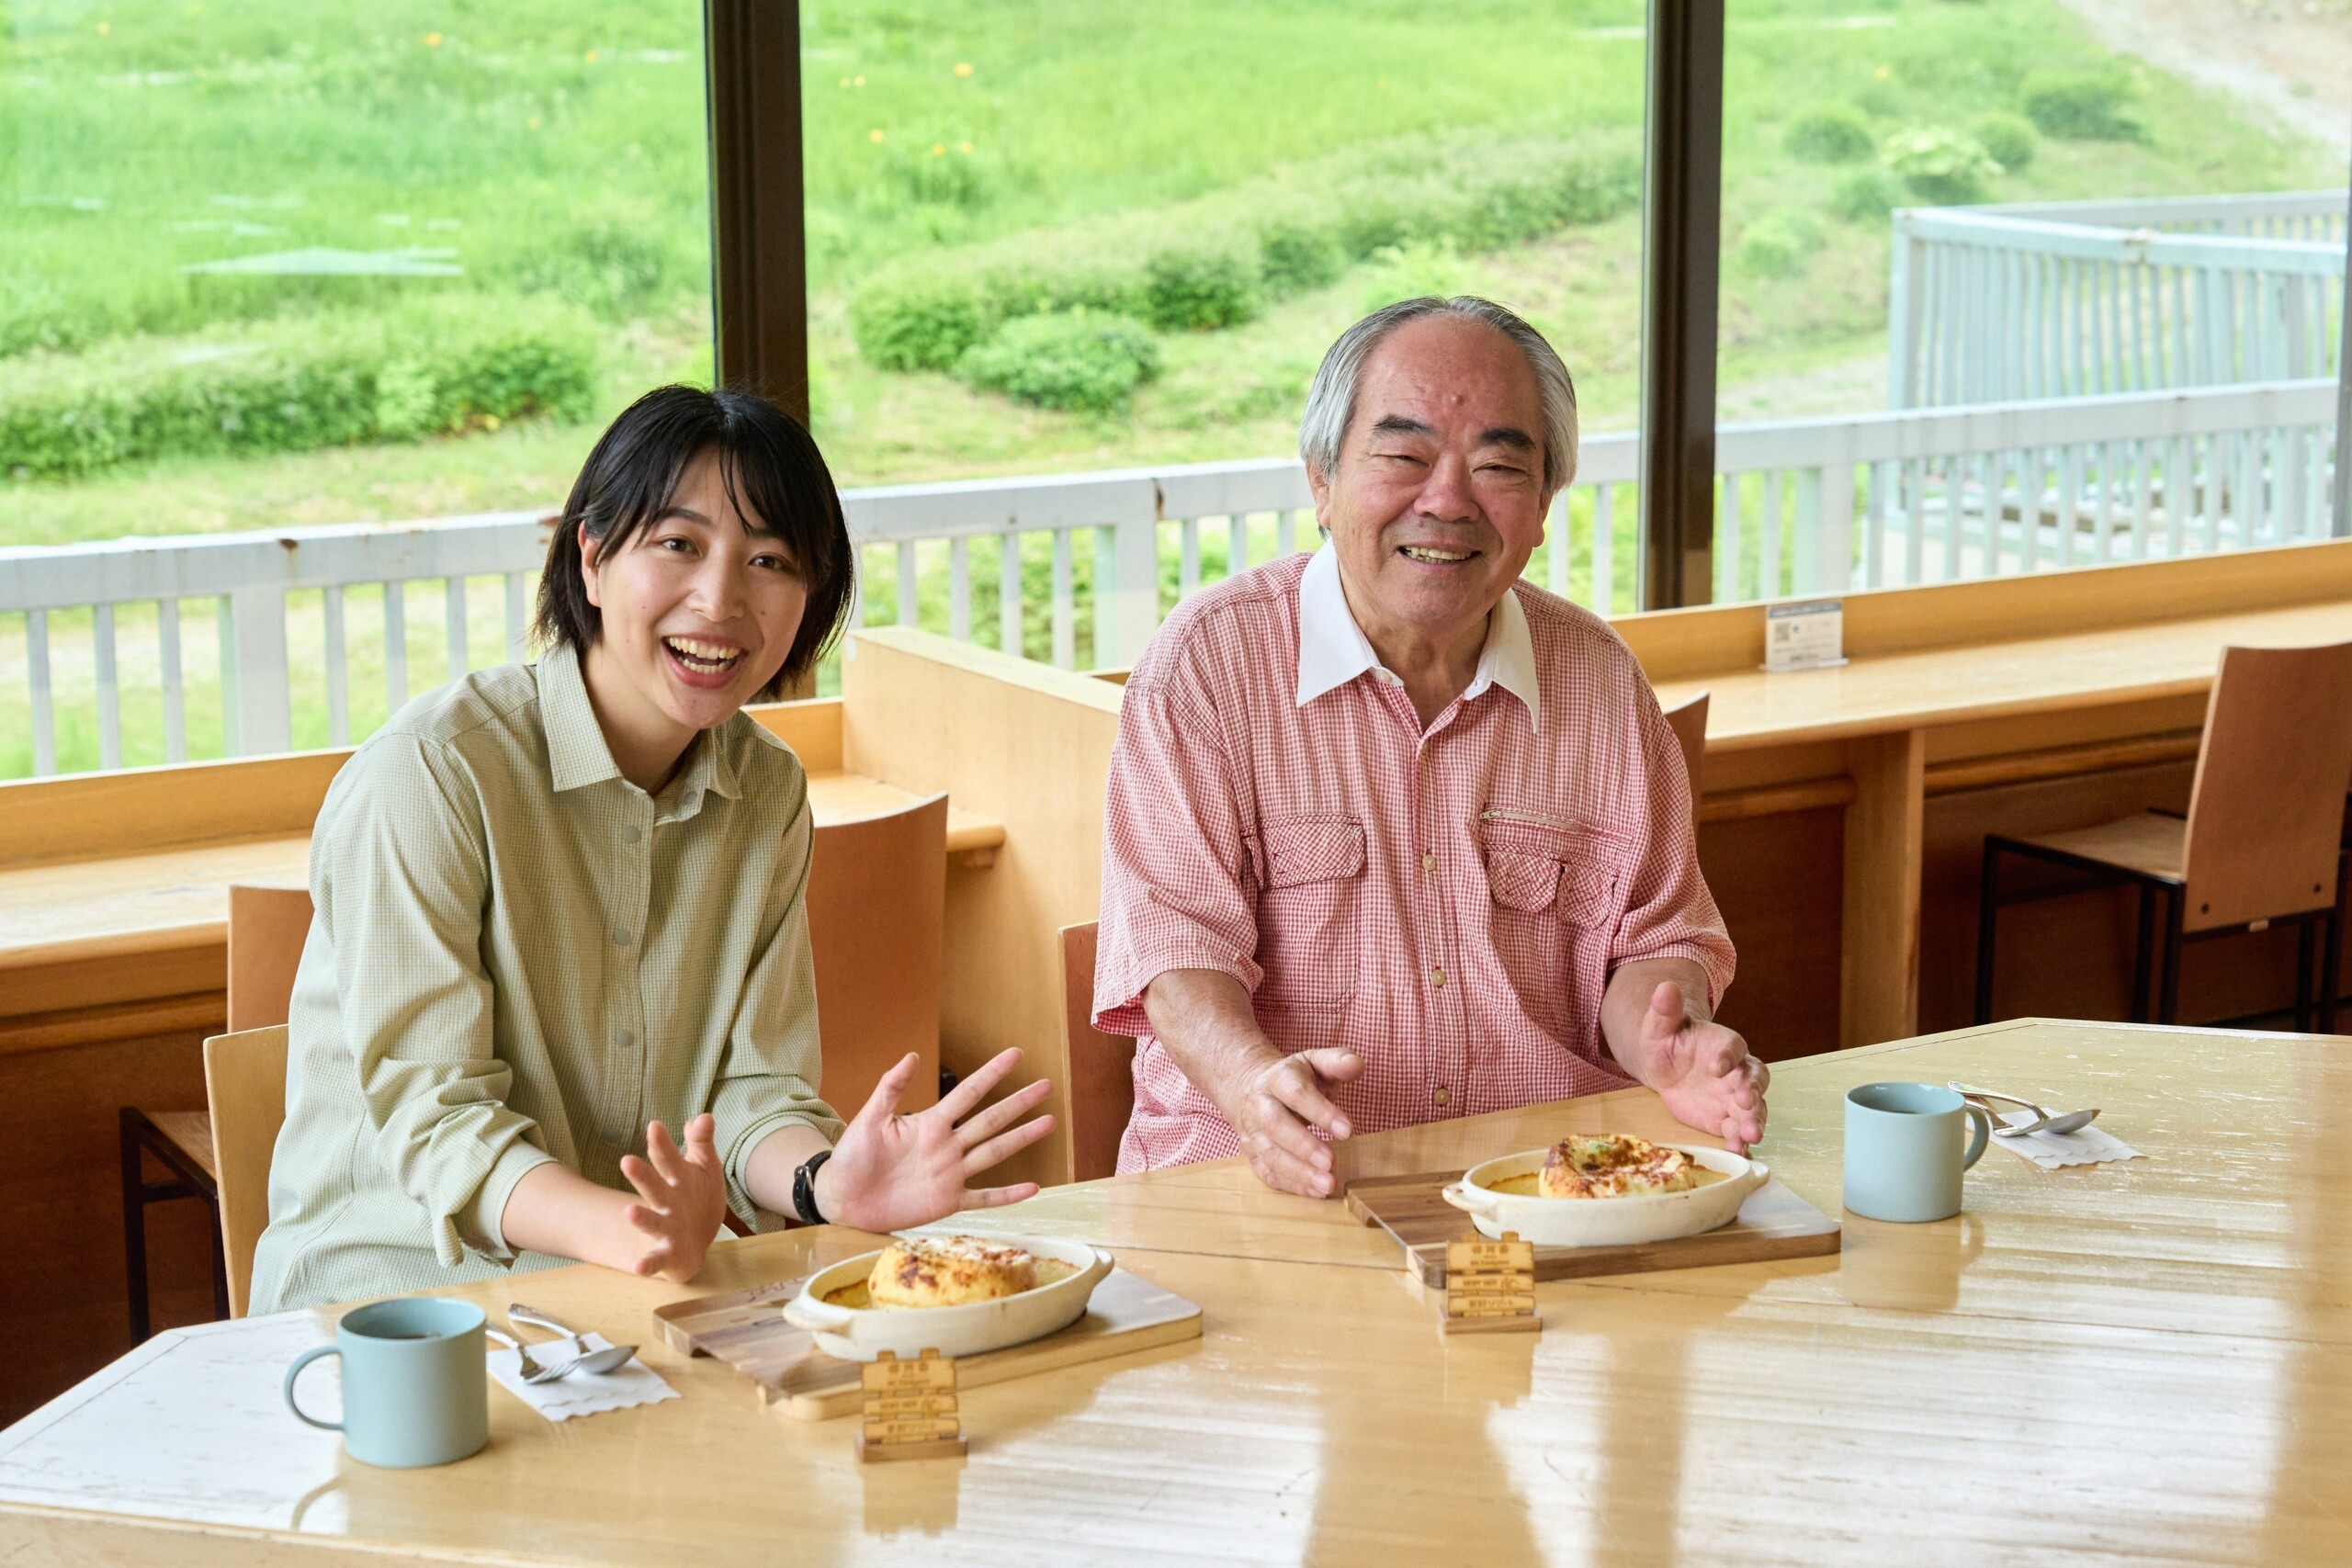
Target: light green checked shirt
519 956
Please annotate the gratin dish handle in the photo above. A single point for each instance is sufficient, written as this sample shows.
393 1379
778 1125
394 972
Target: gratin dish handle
1756 1176
1460 1195
805 1311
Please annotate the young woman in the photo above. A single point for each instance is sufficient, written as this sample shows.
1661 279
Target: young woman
560 911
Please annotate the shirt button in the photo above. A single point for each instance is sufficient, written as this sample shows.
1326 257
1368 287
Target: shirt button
1428 863
620 936
1437 979
1439 1096
630 834
627 1038
691 801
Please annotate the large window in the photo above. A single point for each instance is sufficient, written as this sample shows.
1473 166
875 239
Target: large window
269 265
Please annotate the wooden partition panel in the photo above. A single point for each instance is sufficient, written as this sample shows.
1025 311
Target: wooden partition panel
1029 745
1779 881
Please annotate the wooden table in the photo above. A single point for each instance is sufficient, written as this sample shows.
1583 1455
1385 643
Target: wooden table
2134 1363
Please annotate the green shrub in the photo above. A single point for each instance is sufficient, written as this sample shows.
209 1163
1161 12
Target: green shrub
1940 165
1411 270
296 385
617 267
1220 259
1779 244
2081 105
2009 138
1202 283
1835 133
1084 360
1865 195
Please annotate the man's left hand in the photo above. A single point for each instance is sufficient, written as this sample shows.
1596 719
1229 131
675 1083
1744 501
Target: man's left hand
1702 1071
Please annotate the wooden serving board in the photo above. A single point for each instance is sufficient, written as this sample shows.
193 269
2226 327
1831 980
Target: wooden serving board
1773 1223
746 1330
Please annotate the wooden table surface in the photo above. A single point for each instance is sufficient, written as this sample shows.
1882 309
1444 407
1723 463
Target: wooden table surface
2148 1362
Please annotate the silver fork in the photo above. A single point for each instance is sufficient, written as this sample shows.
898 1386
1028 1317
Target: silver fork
531 1371
584 1360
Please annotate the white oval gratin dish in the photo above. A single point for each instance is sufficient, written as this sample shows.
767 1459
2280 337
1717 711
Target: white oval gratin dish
861 1334
1603 1222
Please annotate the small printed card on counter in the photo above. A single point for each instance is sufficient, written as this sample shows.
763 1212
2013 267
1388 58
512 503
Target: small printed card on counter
1489 1287
910 1410
1809 634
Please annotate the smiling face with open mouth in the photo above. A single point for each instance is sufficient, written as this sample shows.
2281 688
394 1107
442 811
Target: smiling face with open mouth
698 610
1437 499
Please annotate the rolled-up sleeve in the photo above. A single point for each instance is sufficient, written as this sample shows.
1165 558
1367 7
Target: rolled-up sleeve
769 1075
399 879
1177 889
1669 913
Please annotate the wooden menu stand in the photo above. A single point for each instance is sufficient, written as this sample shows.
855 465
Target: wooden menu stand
1489 1287
910 1409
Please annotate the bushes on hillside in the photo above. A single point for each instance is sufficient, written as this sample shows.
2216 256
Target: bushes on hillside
1083 360
1219 260
1835 133
1940 165
296 385
2081 105
1865 195
2009 138
1779 244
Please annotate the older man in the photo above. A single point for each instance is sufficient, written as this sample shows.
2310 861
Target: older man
1393 835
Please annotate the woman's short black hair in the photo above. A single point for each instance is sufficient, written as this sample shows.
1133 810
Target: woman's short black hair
773 474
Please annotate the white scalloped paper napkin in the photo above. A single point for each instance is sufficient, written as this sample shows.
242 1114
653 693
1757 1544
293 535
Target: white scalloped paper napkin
2086 1145
581 1394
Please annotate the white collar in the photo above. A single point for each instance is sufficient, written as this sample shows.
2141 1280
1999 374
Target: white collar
1333 651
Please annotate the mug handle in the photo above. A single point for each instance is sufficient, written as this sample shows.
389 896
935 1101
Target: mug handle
1980 1119
304 1359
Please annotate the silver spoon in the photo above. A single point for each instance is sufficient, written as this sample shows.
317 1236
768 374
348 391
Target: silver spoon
2060 1121
586 1361
531 1371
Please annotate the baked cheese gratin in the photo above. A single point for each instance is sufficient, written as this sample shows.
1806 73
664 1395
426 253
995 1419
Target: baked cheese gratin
1614 1165
927 1271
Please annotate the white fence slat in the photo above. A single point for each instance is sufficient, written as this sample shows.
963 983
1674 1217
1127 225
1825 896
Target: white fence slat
1604 551
338 671
909 605
959 589
167 648
1065 605
1237 545
1285 532
224 642
1556 545
1874 542
1767 572
109 692
37 678
1125 617
518 630
1727 547
453 626
264 705
1188 557
1008 594
395 647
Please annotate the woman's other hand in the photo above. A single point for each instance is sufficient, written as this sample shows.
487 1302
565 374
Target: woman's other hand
682 1199
891 1171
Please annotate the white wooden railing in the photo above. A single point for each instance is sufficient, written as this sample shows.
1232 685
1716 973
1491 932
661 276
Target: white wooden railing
1803 506
2084 298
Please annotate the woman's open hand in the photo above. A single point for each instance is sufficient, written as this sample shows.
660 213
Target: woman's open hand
682 1199
891 1171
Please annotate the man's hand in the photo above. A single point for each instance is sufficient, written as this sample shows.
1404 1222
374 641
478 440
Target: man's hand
1702 1070
1275 1105
891 1171
682 1200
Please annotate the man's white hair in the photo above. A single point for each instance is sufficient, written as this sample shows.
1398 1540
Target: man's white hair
1331 399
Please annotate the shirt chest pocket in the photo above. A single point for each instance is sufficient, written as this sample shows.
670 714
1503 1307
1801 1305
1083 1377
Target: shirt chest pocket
1310 872
1556 892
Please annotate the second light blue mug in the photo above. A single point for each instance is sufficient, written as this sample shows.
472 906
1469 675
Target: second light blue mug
416 1385
1903 1150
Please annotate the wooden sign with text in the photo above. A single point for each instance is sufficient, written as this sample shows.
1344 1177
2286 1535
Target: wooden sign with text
910 1408
1490 1287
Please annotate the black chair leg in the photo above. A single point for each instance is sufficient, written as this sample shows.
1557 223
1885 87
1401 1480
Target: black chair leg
2144 959
135 1229
2304 932
2169 998
1988 912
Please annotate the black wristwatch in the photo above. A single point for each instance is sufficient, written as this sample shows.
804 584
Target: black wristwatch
804 1188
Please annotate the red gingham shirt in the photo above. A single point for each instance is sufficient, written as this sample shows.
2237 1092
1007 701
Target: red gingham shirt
1450 904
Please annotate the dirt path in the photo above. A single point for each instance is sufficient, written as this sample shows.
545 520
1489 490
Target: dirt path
2289 58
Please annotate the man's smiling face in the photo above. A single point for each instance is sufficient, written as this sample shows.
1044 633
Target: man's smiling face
1437 499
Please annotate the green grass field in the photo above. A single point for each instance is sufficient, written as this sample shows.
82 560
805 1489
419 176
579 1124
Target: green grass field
559 150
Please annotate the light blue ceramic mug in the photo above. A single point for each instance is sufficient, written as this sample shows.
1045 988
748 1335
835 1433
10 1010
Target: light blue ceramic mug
1903 1150
415 1391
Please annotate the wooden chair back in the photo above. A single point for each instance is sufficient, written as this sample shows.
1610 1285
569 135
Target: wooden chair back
877 923
1688 723
245 1080
2266 814
267 929
1097 1069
